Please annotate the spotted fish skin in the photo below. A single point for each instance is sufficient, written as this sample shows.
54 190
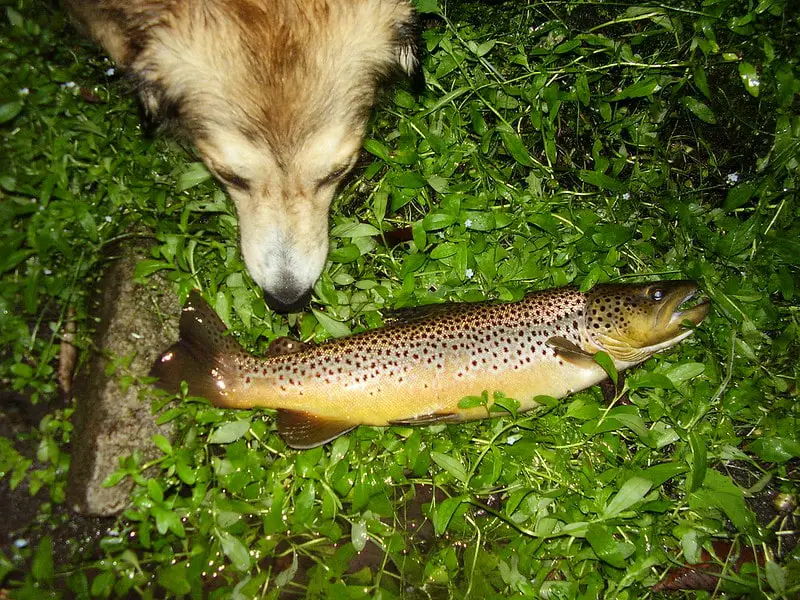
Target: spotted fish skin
419 370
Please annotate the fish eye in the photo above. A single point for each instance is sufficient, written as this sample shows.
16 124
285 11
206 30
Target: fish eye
657 294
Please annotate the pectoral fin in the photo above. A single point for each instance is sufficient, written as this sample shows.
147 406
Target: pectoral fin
571 352
304 430
429 419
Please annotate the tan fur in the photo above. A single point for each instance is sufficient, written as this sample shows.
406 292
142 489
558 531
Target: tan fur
275 95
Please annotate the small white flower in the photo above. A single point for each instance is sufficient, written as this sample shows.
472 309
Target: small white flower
47 272
24 91
108 218
68 85
626 196
110 71
468 223
469 273
20 543
732 178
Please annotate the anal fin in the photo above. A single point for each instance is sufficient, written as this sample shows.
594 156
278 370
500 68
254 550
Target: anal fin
302 430
571 352
428 419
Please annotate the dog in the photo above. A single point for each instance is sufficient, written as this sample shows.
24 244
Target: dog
274 95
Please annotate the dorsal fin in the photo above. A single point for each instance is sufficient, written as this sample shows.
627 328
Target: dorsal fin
302 430
412 314
286 345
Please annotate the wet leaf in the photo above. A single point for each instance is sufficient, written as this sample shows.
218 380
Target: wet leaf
775 449
776 576
720 492
606 547
631 493
9 110
450 464
42 563
332 326
515 146
358 535
601 181
195 174
444 513
700 110
354 230
605 361
409 179
234 549
287 575
699 461
173 578
229 432
750 78
645 87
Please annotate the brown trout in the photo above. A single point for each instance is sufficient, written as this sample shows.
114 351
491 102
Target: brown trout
417 371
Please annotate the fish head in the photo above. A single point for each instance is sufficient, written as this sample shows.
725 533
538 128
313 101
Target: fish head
633 322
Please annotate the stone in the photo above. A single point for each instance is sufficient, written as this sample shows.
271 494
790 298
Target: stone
134 322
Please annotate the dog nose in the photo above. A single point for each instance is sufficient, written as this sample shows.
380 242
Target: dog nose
287 298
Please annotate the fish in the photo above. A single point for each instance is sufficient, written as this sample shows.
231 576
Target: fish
418 370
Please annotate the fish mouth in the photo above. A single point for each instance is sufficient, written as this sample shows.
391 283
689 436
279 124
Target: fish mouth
680 307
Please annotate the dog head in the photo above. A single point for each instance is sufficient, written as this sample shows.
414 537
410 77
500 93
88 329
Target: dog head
275 96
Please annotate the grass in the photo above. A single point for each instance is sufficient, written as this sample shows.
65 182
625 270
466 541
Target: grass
557 143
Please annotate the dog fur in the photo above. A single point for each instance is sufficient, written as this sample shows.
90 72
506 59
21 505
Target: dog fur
274 94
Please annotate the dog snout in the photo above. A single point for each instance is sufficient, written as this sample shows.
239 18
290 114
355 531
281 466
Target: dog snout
287 295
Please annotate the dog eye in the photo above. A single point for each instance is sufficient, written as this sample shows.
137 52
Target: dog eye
334 176
233 180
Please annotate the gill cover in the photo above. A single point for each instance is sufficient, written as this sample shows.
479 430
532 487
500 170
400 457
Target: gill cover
632 322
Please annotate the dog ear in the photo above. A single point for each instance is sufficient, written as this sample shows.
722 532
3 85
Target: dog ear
408 53
157 111
151 104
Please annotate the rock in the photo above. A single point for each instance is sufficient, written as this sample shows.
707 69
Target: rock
136 322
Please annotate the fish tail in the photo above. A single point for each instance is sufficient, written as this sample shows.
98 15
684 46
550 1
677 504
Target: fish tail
205 357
